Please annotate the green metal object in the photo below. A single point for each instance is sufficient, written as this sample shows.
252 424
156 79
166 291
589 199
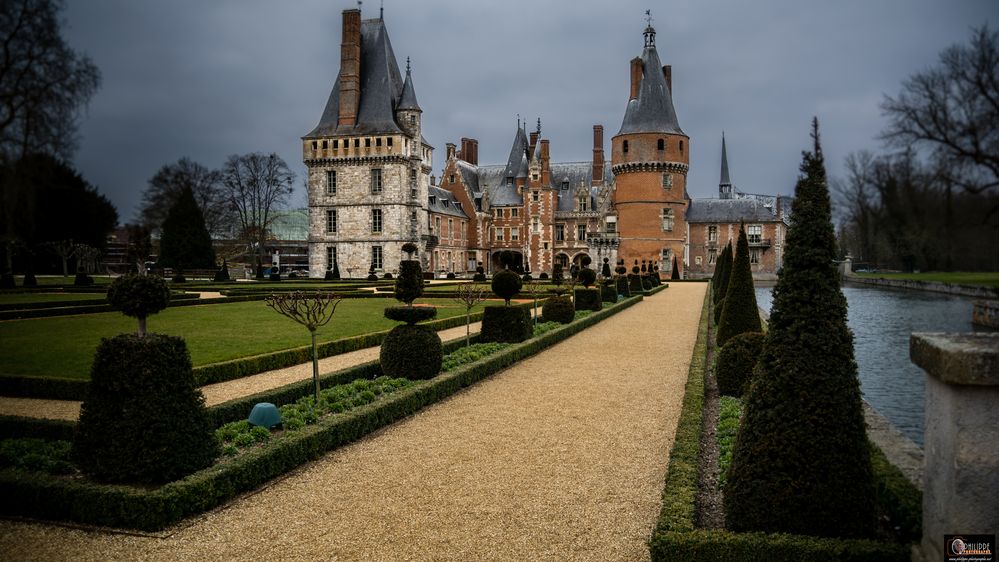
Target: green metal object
265 414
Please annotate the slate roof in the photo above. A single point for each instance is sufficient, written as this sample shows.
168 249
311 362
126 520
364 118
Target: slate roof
730 211
574 173
381 88
493 180
652 111
407 100
443 202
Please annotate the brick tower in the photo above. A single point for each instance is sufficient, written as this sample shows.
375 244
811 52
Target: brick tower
650 159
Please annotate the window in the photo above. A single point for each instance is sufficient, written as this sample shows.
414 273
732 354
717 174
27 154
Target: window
754 255
667 257
536 225
376 180
412 178
514 213
698 260
661 145
560 233
514 234
412 120
681 147
582 202
437 226
712 257
450 178
330 221
450 228
336 144
755 233
325 145
389 142
624 147
534 176
367 143
376 221
565 184
376 257
357 143
498 213
611 225
535 197
581 232
460 231
331 182
667 220
498 234
712 235
667 180
378 141
315 145
330 257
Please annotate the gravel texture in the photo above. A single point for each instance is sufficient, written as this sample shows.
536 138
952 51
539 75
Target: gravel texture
560 457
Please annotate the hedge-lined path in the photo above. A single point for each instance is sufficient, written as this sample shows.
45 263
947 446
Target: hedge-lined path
218 393
561 456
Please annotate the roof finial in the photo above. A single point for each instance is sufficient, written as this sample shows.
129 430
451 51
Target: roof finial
359 5
381 10
518 121
539 125
407 65
650 32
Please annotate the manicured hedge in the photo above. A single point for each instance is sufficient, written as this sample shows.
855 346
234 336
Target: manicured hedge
43 496
675 536
52 430
41 387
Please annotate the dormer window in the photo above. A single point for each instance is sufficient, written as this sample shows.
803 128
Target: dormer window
582 203
447 204
451 178
565 184
433 199
509 181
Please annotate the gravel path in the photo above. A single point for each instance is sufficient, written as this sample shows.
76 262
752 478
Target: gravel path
560 457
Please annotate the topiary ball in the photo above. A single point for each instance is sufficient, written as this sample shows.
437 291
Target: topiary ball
143 419
480 270
387 276
411 351
409 248
479 278
736 360
450 275
543 276
410 314
139 296
587 277
506 285
558 309
586 260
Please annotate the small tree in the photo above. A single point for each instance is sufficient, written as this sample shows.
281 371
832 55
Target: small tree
676 270
469 295
741 313
185 242
139 296
801 462
312 311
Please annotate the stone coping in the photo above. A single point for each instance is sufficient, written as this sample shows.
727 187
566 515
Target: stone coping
965 359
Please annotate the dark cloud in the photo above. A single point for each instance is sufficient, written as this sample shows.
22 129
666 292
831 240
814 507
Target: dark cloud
209 79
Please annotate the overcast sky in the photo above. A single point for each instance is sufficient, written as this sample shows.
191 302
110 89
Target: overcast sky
206 79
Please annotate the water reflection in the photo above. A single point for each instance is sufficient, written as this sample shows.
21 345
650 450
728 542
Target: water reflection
881 320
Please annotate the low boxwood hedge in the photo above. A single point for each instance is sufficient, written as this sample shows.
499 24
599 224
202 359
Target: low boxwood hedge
675 536
52 430
42 496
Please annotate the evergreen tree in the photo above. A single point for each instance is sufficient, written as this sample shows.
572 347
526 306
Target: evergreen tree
801 462
740 314
676 270
722 269
185 242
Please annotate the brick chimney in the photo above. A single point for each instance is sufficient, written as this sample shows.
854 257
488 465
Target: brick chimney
534 142
636 77
598 154
474 145
545 167
466 152
350 68
668 74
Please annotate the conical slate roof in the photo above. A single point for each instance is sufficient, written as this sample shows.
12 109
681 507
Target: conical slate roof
652 110
408 98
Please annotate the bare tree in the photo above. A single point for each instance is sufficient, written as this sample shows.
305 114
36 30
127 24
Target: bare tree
953 110
255 185
469 295
312 311
165 187
65 249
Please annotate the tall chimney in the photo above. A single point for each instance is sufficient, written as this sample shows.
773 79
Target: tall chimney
545 168
466 152
534 143
475 152
598 155
350 68
636 77
668 74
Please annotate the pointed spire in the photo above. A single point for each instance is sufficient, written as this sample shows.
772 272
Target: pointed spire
725 185
407 99
650 107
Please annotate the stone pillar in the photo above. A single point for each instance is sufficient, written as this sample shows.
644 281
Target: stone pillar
961 491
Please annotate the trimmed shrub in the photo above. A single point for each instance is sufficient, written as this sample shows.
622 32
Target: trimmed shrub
543 276
506 284
557 276
527 278
509 324
82 279
275 277
719 308
223 273
558 309
411 351
587 299
410 314
605 269
736 361
143 419
587 277
676 271
646 284
622 286
7 281
479 278
387 276
741 314
29 280
723 268
608 291
801 462
409 284
450 275
635 283
329 275
139 296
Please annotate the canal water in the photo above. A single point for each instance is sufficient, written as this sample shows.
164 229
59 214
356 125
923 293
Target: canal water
881 320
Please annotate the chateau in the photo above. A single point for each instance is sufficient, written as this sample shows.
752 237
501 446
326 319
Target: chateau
371 188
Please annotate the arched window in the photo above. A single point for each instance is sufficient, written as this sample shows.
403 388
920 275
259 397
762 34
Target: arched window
661 145
624 147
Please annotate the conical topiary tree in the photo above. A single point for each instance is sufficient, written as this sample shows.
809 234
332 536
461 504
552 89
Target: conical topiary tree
722 269
185 242
741 314
676 270
801 462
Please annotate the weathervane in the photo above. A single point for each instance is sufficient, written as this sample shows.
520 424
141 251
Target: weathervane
650 32
359 4
648 17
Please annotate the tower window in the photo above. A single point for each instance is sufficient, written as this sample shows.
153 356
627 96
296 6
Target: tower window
376 257
330 182
367 143
681 147
667 180
325 144
389 142
376 221
450 178
661 145
331 221
357 143
315 145
330 257
667 220
336 144
412 120
376 180
378 141
624 147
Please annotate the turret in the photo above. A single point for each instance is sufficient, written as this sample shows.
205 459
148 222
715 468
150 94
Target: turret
407 111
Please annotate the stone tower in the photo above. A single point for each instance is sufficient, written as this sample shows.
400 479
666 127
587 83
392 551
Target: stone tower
650 159
368 164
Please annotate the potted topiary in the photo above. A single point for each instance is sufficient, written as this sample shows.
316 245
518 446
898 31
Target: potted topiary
621 280
605 270
586 298
126 432
480 274
635 280
506 323
558 308
410 350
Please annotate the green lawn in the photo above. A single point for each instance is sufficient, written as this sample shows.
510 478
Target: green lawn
64 346
983 279
22 298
